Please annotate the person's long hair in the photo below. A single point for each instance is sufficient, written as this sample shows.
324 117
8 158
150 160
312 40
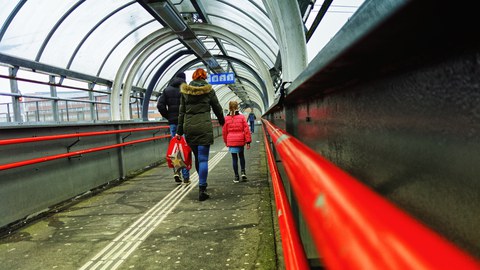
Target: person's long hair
232 107
199 74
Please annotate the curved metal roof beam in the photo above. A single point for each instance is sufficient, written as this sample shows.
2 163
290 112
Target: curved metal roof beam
253 92
251 17
115 113
225 98
224 91
150 43
254 74
93 30
119 42
166 13
225 95
157 60
212 30
156 76
10 18
55 27
252 71
288 25
143 56
248 30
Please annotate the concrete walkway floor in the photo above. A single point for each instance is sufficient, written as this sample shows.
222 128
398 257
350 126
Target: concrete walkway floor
150 222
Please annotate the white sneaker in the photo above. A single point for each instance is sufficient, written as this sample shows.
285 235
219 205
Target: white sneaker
237 179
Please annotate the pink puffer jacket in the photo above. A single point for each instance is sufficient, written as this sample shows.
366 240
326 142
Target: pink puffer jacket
236 131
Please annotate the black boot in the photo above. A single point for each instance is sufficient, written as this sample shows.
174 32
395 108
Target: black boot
244 176
202 194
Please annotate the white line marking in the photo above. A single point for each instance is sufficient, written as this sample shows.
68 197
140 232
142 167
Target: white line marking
118 250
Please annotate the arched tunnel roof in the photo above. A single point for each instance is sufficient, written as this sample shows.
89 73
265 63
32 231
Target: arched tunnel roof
134 47
94 38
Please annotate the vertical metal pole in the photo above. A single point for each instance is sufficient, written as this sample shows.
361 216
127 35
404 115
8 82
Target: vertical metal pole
138 108
121 161
96 109
8 113
92 104
66 111
37 113
53 93
17 112
111 100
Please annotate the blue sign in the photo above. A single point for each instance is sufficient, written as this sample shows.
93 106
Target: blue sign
221 78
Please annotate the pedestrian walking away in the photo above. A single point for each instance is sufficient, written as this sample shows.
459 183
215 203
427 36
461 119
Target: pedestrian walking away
236 135
251 120
196 101
168 105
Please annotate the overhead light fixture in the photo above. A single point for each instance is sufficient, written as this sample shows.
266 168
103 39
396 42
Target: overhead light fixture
169 15
197 46
212 62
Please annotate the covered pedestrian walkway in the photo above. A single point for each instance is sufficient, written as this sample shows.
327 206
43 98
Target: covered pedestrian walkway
150 222
365 153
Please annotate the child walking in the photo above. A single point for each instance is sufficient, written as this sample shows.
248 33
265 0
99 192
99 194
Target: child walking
236 134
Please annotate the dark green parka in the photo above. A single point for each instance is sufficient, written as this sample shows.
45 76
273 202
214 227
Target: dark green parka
194 116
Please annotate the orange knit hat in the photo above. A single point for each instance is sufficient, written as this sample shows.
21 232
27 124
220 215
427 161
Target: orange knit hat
199 74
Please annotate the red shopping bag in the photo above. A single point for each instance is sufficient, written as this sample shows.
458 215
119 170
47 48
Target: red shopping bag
179 154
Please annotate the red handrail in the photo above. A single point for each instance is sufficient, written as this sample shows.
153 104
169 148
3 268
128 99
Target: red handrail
352 226
293 252
76 153
74 135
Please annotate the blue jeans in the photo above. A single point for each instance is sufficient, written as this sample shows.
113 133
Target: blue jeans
173 131
252 126
235 157
201 162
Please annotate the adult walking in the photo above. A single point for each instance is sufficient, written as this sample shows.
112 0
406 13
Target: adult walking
196 101
168 105
251 120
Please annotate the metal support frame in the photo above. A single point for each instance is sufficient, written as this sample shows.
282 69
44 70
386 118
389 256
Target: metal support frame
168 16
156 76
260 81
17 112
53 93
288 26
151 43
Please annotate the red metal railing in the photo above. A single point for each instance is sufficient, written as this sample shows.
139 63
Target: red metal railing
293 252
352 226
75 135
75 153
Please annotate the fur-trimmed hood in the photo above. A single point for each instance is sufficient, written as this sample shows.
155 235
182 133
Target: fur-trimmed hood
195 90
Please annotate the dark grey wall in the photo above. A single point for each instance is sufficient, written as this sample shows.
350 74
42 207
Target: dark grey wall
28 190
414 138
394 100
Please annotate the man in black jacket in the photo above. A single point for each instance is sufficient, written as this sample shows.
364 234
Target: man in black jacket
168 105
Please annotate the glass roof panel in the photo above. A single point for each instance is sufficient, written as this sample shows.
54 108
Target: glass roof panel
101 41
337 15
266 50
74 28
232 48
249 21
115 59
156 60
168 74
73 33
31 25
7 8
244 12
